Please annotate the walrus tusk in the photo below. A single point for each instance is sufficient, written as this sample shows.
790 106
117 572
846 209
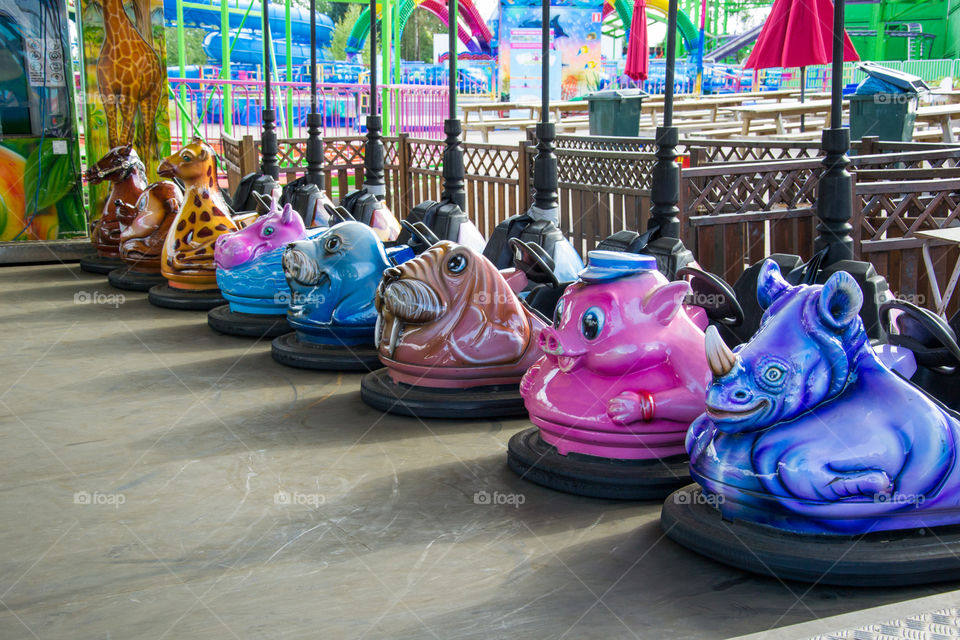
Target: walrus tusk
301 268
719 356
412 301
395 329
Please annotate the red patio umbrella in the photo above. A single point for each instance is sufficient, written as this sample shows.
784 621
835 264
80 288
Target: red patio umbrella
798 33
638 54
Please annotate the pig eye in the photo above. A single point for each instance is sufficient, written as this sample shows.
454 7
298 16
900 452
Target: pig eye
332 244
558 314
592 323
267 231
456 263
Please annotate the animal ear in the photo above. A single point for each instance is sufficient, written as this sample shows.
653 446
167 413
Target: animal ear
770 284
287 216
126 149
663 302
840 301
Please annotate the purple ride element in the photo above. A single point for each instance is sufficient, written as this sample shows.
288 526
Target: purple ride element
806 429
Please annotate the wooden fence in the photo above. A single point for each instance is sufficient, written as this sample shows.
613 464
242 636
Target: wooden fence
740 200
734 215
600 191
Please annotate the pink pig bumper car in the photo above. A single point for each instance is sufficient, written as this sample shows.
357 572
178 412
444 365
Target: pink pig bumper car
622 377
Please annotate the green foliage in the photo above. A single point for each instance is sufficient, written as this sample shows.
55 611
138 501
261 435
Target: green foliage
323 6
341 32
193 44
417 39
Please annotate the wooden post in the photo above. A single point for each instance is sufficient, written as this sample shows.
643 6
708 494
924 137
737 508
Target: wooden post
869 145
523 172
698 156
856 219
404 190
249 162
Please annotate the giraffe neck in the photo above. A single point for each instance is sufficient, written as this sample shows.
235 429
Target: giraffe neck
116 20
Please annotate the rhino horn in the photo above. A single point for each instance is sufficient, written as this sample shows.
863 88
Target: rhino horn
719 356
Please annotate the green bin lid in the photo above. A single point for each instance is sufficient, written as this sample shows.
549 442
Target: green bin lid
617 94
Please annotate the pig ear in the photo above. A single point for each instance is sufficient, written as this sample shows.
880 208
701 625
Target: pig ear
770 284
287 216
840 301
663 302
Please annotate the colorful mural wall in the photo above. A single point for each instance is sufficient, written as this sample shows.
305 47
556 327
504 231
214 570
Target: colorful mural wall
575 25
40 196
125 81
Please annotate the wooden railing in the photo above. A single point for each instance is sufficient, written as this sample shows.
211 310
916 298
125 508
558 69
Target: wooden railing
600 191
735 215
732 213
886 220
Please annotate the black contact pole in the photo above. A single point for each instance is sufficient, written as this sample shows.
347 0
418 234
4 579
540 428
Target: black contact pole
373 180
835 191
314 120
268 137
665 175
453 169
546 198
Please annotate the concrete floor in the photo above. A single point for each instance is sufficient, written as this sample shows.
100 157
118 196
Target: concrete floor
183 438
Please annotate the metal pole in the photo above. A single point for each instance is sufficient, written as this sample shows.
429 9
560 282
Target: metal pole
397 67
835 190
227 105
665 175
546 199
373 180
314 119
453 169
289 69
182 56
836 89
701 46
268 137
386 31
671 64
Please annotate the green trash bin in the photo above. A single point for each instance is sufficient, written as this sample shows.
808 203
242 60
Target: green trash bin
885 104
889 116
616 112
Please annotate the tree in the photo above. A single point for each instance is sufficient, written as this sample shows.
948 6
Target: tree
193 45
341 32
416 43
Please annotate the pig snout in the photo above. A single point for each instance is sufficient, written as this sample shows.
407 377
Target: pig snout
549 342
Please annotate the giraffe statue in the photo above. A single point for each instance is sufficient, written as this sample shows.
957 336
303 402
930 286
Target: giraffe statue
129 78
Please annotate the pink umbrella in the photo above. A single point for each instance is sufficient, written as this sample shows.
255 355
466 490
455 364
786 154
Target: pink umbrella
798 33
638 55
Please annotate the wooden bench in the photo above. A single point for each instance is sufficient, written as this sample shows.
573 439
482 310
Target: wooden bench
485 126
812 133
928 134
735 129
573 123
943 115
